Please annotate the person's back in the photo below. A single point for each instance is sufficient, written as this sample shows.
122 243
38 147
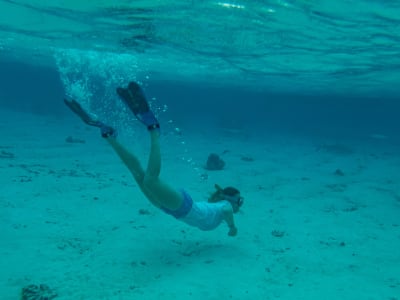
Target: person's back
206 216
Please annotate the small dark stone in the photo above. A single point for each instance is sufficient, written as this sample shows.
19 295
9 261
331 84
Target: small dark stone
339 172
6 154
277 233
214 162
204 176
246 158
143 211
38 292
72 140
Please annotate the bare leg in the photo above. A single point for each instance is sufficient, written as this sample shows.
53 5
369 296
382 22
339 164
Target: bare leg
158 193
163 193
154 163
133 164
155 190
128 159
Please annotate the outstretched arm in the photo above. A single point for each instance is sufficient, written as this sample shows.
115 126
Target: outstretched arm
228 217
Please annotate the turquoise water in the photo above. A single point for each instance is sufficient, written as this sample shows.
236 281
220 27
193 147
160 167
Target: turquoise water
311 47
336 64
300 97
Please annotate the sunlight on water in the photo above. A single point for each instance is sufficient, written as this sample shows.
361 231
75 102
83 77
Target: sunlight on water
314 46
230 5
91 77
81 72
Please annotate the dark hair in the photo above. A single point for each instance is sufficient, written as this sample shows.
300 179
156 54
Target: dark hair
231 191
216 196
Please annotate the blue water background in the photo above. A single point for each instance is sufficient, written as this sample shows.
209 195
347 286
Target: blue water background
39 90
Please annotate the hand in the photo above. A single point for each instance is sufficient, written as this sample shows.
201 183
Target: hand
232 231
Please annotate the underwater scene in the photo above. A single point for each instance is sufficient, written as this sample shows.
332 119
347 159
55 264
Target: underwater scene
200 149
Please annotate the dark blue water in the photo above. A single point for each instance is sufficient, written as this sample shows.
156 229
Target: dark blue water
39 90
27 88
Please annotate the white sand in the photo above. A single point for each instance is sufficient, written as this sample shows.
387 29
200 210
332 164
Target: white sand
70 218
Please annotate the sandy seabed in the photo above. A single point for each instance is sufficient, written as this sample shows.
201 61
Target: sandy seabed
321 218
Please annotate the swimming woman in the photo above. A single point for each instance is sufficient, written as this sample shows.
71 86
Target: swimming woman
222 204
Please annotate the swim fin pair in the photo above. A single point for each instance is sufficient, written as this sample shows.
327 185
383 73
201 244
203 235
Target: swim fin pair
133 97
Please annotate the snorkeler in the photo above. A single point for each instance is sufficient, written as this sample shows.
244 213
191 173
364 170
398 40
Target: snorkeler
222 204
